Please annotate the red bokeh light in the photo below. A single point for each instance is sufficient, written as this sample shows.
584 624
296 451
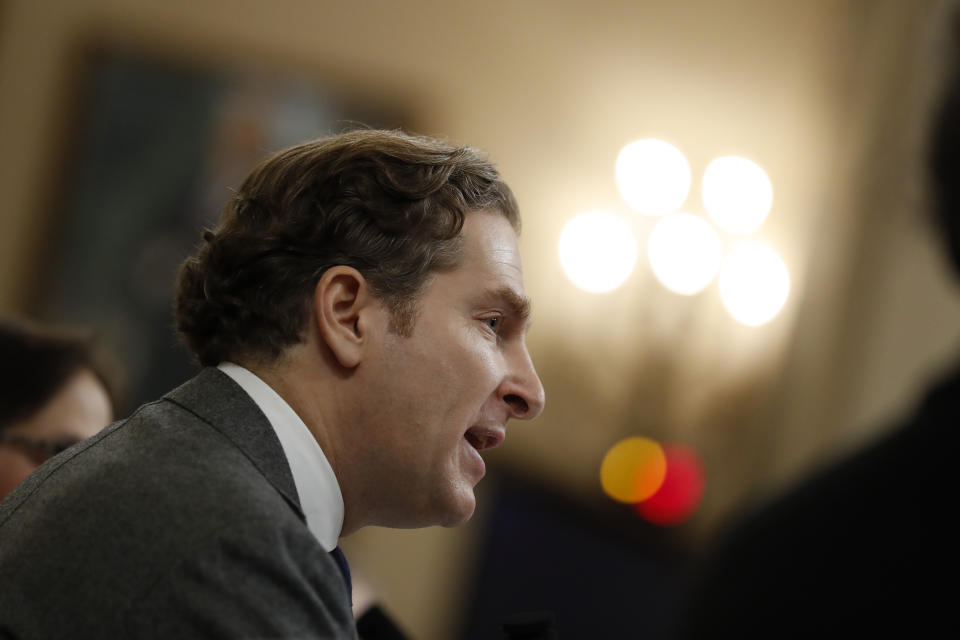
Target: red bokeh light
681 491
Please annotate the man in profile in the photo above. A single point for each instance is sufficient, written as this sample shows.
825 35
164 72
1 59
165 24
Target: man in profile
360 313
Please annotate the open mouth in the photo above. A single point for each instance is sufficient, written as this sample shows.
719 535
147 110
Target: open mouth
481 438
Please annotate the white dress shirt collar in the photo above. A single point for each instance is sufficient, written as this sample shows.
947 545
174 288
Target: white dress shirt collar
317 487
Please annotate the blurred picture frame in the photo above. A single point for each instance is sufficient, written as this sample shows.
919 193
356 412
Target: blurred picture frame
154 144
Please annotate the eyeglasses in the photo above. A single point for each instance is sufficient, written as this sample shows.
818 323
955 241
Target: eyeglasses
39 449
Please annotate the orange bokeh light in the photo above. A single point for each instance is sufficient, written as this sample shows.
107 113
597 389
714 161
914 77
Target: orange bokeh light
633 469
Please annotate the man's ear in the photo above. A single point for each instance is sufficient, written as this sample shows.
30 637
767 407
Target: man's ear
342 303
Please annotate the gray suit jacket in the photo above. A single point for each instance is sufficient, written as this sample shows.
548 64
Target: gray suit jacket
181 521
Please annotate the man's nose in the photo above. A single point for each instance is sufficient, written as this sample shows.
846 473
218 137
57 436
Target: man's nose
522 390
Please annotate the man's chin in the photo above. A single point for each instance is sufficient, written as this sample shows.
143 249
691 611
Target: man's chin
451 512
460 512
457 522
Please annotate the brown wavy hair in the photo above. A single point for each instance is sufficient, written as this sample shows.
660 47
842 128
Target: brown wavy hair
389 204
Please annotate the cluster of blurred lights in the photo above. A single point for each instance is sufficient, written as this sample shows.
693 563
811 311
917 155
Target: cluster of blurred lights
598 250
664 483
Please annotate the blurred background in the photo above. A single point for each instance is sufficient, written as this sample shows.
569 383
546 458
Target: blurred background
126 123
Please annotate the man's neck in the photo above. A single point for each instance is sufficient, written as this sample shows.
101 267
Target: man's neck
309 392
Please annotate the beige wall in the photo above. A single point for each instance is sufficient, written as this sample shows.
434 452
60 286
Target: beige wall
552 90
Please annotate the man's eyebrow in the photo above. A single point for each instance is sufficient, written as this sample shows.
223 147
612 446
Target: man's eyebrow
519 305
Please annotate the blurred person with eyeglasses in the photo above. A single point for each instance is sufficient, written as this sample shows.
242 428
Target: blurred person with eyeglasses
56 389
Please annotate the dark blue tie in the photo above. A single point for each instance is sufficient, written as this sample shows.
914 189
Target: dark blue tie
344 569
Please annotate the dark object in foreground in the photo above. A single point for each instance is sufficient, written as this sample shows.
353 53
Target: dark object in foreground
534 625
868 547
375 624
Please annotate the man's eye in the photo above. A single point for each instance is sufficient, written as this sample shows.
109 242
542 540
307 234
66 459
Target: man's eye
494 323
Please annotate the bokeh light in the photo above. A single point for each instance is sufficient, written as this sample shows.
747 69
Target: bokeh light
653 176
597 251
684 252
633 469
754 284
737 193
681 491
